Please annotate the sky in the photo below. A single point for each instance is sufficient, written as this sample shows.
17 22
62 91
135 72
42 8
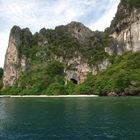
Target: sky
36 14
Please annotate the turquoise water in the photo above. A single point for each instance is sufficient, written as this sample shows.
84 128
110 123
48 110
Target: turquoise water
101 118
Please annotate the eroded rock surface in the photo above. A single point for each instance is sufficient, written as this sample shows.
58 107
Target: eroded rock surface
126 31
14 61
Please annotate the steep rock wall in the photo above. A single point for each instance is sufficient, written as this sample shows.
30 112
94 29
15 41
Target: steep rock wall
79 69
12 58
79 31
21 41
15 62
130 35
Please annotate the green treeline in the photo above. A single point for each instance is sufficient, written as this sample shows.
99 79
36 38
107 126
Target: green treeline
122 76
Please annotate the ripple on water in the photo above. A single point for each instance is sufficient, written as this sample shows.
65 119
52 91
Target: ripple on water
70 119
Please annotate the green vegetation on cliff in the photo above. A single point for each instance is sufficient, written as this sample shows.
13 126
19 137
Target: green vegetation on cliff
122 77
56 57
125 9
38 80
131 3
61 43
45 71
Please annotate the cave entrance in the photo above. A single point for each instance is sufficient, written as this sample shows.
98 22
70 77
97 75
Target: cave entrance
74 81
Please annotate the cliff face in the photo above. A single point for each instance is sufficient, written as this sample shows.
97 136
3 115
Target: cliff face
66 44
125 27
80 50
14 60
81 69
79 31
130 35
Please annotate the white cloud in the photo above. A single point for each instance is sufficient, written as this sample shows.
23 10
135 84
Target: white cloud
106 19
3 46
37 14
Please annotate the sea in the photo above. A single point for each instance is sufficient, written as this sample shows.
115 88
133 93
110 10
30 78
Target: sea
68 118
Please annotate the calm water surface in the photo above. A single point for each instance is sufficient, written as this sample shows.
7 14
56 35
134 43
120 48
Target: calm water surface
101 118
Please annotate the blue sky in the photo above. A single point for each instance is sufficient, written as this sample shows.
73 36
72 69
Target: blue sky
36 14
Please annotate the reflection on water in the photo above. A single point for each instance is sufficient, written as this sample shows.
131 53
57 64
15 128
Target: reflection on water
6 114
69 118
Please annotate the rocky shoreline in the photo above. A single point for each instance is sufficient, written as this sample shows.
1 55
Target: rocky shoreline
129 93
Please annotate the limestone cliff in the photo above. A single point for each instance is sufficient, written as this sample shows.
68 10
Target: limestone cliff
66 44
125 27
14 60
79 49
131 34
79 31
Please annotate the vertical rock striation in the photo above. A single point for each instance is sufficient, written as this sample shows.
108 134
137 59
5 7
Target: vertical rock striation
12 58
14 61
130 35
76 46
125 28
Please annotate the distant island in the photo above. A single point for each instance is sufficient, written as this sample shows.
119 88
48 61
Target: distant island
73 60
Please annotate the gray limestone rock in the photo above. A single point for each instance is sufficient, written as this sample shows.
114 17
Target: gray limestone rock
15 62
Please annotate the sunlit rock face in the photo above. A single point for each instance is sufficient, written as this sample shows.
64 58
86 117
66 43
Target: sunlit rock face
12 58
79 69
52 45
21 40
76 69
127 30
14 61
79 31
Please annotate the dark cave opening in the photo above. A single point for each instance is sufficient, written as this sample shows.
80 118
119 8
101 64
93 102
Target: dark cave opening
74 81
